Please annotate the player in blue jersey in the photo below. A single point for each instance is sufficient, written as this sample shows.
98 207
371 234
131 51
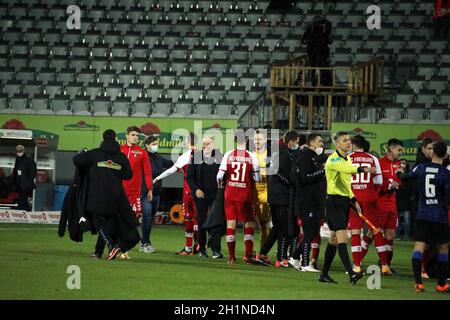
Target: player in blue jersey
432 226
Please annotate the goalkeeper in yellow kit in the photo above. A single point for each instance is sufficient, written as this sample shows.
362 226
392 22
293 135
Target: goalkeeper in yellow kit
262 208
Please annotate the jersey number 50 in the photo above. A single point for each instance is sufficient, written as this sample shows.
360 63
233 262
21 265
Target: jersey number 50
362 177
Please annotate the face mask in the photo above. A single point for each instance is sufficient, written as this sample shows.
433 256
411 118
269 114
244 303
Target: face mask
19 154
319 151
294 147
154 148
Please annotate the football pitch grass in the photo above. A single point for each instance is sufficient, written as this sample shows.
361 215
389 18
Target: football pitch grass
34 262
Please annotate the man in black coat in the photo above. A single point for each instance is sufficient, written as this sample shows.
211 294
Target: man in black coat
278 198
106 199
23 176
201 177
309 176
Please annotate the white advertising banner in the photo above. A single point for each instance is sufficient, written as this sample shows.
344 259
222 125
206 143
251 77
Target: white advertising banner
19 216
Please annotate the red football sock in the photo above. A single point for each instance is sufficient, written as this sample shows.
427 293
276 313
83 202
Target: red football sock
365 243
231 242
356 249
315 247
380 245
189 231
389 250
248 239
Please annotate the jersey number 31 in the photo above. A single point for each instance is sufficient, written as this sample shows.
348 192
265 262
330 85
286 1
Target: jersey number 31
238 174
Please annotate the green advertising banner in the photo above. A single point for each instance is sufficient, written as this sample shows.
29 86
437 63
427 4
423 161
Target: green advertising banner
411 135
76 132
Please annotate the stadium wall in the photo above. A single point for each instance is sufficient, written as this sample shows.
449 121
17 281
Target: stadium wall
411 135
76 132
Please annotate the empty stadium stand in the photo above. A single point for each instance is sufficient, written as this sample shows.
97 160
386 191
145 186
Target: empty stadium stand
206 58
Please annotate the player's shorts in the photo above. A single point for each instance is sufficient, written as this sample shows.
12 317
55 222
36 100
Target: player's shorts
388 219
189 210
369 210
135 203
337 212
431 232
242 211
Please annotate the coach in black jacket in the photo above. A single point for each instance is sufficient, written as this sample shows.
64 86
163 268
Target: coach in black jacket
201 177
309 176
23 176
112 215
278 198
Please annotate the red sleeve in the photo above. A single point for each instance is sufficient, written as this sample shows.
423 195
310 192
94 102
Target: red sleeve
147 168
385 185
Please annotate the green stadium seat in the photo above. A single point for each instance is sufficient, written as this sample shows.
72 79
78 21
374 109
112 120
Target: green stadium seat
101 106
38 11
167 79
72 89
121 107
60 49
182 108
134 91
32 88
114 90
154 91
26 75
186 79
6 74
203 108
40 105
11 87
162 108
40 48
223 108
141 107
19 103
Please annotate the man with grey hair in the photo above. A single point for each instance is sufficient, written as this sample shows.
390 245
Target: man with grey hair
201 177
23 176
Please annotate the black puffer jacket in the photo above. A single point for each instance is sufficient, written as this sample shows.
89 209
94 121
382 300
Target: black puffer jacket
108 167
278 185
309 176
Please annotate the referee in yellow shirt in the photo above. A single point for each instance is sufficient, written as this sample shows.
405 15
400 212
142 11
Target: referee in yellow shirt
338 172
262 208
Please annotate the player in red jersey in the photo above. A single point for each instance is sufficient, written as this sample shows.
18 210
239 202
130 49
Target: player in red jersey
390 166
242 170
364 186
189 210
140 164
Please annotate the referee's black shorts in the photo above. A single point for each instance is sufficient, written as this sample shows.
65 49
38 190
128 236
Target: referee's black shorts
337 212
431 232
